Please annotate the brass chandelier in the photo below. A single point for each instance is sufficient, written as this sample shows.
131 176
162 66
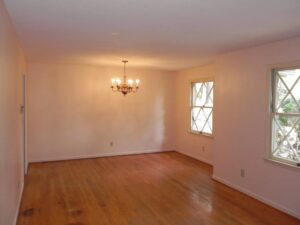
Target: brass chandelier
127 85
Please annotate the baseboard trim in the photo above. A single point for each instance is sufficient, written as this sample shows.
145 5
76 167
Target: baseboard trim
214 177
194 157
19 204
257 197
108 154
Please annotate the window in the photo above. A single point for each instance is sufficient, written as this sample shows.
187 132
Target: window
285 109
202 94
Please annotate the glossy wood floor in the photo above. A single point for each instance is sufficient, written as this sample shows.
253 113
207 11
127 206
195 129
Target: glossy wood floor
150 189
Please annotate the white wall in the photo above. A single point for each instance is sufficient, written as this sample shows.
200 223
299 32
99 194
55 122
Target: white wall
197 146
73 113
241 120
12 65
241 123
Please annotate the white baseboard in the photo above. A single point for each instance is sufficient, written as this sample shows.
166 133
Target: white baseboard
19 204
107 154
236 187
257 197
198 158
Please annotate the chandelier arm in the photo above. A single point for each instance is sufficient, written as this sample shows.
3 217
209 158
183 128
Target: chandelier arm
115 88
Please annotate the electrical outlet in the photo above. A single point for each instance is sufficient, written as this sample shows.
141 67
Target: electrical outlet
243 173
111 144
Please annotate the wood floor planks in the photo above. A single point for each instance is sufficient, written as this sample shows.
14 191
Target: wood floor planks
150 189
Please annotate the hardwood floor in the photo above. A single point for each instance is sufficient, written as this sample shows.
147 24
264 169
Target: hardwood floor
151 189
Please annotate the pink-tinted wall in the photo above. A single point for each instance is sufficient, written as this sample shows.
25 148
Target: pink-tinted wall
197 146
241 123
12 66
73 113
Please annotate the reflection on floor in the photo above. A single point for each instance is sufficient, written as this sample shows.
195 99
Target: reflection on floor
150 189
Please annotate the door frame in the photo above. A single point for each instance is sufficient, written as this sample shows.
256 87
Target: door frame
23 110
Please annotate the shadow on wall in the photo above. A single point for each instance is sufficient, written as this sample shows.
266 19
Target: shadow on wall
155 129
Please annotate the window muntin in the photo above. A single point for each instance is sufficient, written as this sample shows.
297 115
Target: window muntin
286 115
202 94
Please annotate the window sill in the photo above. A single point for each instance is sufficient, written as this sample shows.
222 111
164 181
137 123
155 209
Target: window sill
201 134
282 163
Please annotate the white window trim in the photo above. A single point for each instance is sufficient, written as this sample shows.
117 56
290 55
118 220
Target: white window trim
269 157
202 80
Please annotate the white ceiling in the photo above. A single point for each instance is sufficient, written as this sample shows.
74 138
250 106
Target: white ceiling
165 34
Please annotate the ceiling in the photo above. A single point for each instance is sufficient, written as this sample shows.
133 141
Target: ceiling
163 34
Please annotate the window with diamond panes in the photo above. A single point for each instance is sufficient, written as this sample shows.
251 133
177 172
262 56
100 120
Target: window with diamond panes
286 115
202 95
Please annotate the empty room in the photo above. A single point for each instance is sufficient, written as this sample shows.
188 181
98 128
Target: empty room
139 112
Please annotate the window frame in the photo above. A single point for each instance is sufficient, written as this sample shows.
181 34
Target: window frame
271 113
191 83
